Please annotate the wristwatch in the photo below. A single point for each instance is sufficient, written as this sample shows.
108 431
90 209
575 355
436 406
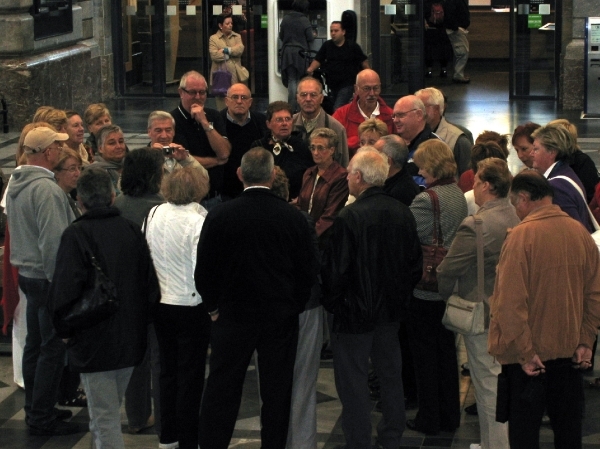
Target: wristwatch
210 128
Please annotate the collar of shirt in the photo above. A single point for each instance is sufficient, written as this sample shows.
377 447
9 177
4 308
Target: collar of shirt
232 120
309 125
547 173
374 114
256 187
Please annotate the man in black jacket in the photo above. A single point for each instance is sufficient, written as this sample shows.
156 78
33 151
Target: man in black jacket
255 270
369 271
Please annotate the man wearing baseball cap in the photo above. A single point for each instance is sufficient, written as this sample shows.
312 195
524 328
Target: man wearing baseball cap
38 212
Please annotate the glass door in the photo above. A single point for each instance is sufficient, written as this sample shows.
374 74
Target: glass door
534 48
397 41
159 40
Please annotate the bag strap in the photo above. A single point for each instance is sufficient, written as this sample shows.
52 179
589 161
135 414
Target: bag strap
479 241
83 242
148 217
438 238
574 184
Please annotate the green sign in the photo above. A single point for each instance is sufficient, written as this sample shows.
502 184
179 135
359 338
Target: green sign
534 21
264 21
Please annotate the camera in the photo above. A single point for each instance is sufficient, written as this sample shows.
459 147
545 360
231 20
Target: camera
167 151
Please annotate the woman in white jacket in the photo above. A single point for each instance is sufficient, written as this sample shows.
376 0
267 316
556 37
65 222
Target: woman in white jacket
181 321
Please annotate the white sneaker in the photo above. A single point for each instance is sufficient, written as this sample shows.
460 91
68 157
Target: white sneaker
174 445
475 446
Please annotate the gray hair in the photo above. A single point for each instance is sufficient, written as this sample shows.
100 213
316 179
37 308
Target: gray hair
95 188
192 74
257 166
372 165
326 133
104 132
395 148
159 115
436 97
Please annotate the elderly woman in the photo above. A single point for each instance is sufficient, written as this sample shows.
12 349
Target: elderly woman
553 151
182 322
324 188
74 128
96 116
104 353
522 142
111 152
140 185
370 131
226 48
492 183
583 165
432 345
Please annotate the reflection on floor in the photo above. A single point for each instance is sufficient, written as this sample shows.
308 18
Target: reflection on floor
13 431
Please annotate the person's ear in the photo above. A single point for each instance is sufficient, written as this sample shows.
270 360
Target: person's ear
238 172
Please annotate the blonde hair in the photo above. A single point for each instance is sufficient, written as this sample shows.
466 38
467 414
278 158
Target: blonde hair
94 111
375 125
435 157
185 186
66 154
57 118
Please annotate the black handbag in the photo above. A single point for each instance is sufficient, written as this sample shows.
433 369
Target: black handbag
98 302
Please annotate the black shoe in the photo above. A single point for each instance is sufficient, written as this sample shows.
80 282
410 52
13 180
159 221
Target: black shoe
429 74
78 401
56 428
471 409
412 425
326 354
62 414
443 73
375 394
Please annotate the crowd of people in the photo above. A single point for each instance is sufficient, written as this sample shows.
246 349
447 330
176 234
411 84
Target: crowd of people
281 233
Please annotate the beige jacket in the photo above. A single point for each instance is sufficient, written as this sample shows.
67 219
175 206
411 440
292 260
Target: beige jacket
217 42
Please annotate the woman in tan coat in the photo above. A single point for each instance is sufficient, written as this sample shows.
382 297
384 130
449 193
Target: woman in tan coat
225 46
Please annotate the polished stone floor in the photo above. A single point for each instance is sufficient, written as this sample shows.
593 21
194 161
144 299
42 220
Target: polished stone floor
481 105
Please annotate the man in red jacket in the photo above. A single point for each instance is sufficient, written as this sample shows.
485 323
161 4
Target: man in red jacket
366 104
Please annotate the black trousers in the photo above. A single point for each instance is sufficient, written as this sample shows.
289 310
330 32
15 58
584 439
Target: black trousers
436 369
232 345
559 391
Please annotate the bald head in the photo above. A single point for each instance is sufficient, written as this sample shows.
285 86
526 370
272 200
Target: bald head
238 102
409 117
367 87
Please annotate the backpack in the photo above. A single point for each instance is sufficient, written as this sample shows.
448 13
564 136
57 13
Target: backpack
437 14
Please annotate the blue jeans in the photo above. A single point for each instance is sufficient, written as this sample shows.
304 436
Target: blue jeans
342 96
43 356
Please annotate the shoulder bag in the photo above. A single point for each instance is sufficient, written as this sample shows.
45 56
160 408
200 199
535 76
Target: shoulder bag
467 317
221 80
432 254
241 73
596 233
98 302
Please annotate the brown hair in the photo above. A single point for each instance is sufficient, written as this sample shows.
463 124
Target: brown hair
66 154
500 139
94 111
437 158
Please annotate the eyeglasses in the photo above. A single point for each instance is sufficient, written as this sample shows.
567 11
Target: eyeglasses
193 93
71 169
375 89
402 114
309 94
319 148
282 119
239 97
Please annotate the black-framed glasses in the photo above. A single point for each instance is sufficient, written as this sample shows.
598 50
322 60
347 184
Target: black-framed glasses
193 93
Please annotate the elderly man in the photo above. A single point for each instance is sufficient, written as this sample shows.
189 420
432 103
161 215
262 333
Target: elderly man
313 116
410 121
201 131
544 315
38 212
553 148
399 184
433 99
256 266
496 215
243 128
370 267
161 130
342 60
290 151
366 104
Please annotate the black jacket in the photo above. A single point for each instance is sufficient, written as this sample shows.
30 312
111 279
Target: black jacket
372 264
121 250
256 259
456 14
